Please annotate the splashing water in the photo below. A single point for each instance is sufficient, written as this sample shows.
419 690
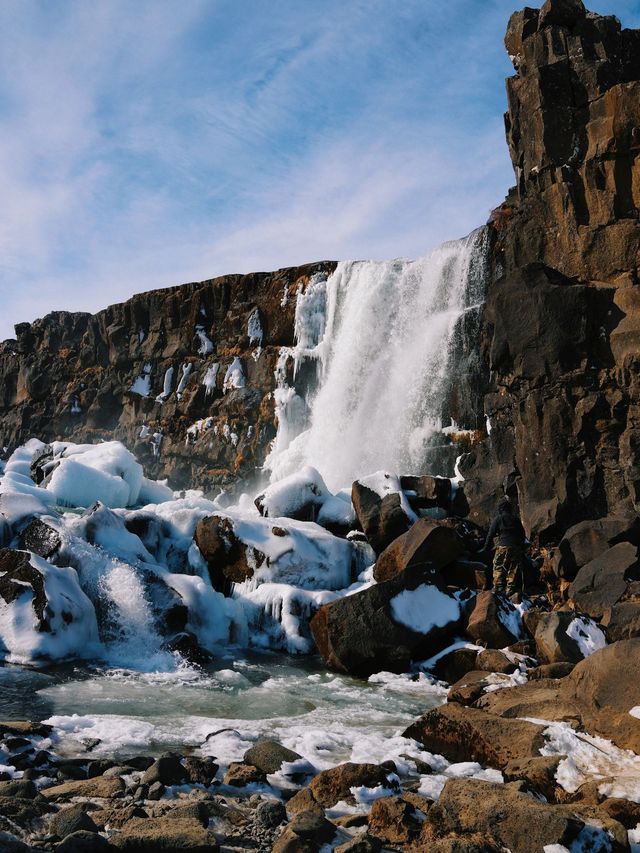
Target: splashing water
378 337
134 641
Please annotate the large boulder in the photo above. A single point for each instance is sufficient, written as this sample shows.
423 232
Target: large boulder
511 819
622 621
228 559
587 540
269 755
468 734
382 509
427 543
334 785
385 626
494 621
561 636
605 690
604 581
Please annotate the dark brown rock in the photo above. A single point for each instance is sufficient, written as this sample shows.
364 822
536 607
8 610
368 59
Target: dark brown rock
603 582
553 643
509 818
490 620
359 635
230 560
394 821
239 775
622 621
331 786
587 540
493 660
269 756
168 770
427 544
469 734
381 518
40 538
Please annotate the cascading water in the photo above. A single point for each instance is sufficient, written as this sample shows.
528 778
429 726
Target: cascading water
378 337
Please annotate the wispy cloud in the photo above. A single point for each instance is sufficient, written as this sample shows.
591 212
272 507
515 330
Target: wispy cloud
146 144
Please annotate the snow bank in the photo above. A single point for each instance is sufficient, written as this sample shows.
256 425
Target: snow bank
87 473
70 630
289 496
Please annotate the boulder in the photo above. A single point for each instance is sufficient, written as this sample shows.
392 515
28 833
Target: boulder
604 694
493 660
228 558
394 821
64 624
468 734
239 775
200 771
100 787
512 819
622 621
468 689
165 835
602 583
40 538
269 756
377 628
331 786
168 770
563 637
72 819
587 540
382 519
494 621
22 788
307 832
427 544
83 841
453 665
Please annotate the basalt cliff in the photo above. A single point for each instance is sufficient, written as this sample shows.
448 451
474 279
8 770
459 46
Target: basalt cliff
186 376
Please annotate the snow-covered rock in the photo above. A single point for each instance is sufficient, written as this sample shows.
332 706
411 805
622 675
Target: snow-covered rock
44 614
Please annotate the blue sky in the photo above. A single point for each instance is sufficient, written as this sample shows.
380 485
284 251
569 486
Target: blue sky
145 143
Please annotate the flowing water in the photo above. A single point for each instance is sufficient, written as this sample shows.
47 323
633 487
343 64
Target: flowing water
373 353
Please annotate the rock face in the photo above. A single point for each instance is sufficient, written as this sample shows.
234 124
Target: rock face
561 327
182 376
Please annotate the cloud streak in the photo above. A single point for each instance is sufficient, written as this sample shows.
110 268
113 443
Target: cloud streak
146 144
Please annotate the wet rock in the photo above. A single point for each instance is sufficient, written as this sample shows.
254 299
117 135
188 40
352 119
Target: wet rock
468 734
269 756
240 775
331 786
40 538
394 821
168 770
187 646
200 771
428 543
494 621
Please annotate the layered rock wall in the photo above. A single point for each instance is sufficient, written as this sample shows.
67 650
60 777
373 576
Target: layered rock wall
561 328
87 378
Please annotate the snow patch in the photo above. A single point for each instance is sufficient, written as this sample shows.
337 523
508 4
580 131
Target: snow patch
424 608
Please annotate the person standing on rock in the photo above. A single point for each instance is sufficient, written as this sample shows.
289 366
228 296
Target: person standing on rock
509 552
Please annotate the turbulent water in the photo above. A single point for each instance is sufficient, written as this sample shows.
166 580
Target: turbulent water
373 347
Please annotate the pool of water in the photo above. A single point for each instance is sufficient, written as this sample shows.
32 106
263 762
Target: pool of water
221 710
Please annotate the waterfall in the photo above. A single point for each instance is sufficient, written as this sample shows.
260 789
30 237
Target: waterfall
372 362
